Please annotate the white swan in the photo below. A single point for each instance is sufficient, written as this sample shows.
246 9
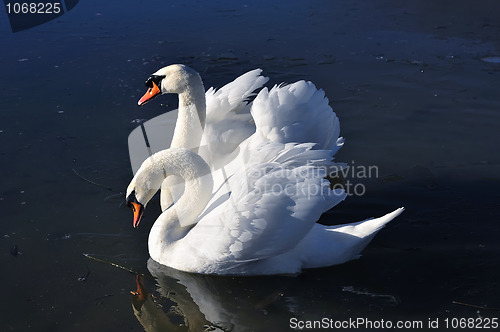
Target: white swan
262 218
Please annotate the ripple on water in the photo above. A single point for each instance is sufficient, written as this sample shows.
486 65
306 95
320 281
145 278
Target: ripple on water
491 59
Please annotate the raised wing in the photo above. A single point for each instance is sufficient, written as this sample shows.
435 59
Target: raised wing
297 113
228 115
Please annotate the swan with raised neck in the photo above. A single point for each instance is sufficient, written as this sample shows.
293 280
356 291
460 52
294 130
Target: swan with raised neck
175 222
187 84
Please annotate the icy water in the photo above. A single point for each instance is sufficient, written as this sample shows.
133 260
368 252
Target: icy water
415 85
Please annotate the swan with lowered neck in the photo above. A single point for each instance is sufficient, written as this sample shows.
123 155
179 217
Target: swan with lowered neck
263 221
268 228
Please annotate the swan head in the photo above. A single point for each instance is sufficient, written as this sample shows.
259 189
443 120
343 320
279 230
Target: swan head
181 162
146 182
136 206
171 79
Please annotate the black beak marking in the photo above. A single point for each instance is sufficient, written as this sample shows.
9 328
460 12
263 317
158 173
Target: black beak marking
154 79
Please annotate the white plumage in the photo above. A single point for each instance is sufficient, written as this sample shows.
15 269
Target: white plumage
250 203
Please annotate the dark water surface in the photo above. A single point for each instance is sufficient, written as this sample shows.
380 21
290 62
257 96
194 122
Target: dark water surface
415 85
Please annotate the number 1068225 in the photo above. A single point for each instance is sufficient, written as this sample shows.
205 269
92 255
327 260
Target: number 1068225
33 8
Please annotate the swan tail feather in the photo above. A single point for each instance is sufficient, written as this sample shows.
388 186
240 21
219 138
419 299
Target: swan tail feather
330 245
367 227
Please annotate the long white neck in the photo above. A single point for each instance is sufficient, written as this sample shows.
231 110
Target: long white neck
191 118
174 223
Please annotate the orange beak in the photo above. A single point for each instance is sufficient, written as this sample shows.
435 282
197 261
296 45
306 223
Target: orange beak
139 297
150 94
138 210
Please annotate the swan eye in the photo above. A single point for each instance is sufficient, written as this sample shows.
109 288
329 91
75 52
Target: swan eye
156 79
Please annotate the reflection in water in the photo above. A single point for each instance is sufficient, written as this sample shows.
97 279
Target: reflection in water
148 313
211 303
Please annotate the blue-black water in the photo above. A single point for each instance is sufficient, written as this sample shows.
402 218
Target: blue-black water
415 85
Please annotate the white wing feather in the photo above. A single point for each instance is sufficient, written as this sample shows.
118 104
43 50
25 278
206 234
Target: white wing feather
228 121
296 113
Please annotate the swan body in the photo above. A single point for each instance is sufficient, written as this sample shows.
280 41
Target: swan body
255 212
